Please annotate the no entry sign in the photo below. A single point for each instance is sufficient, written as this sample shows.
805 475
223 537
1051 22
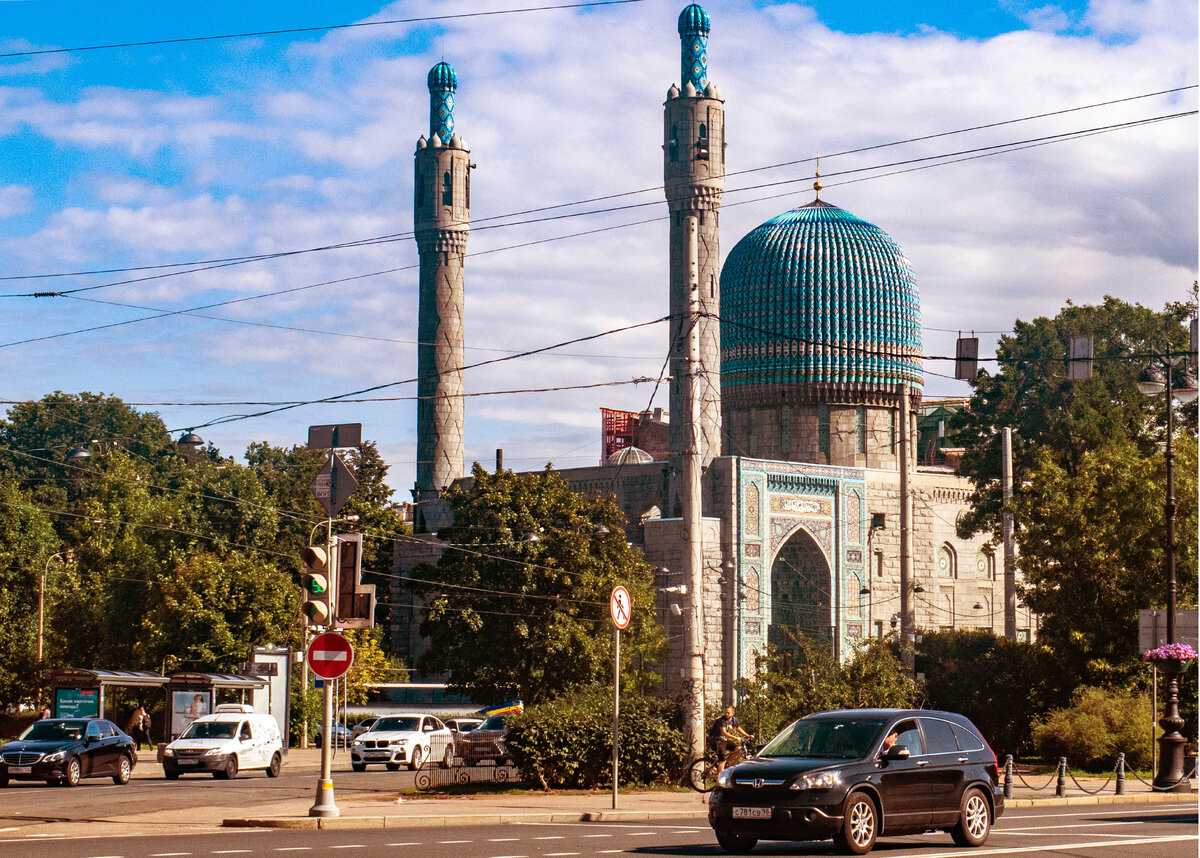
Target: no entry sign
330 655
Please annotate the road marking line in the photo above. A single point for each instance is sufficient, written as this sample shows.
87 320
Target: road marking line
168 854
449 842
1056 847
229 852
1080 834
559 854
642 833
504 839
350 846
591 836
1053 828
293 849
414 843
551 837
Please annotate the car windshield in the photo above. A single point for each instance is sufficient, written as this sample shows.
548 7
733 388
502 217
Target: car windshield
209 730
826 738
397 725
53 731
493 722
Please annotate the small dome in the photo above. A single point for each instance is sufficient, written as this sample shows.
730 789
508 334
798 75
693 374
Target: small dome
443 76
628 456
694 19
673 92
818 305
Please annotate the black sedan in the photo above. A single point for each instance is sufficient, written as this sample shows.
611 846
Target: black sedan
857 774
67 750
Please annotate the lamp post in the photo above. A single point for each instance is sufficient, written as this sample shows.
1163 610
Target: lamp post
1155 379
62 557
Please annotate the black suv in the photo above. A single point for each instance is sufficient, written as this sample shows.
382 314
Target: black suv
856 774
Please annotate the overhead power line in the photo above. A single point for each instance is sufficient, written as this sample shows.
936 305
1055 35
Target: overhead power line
479 223
319 29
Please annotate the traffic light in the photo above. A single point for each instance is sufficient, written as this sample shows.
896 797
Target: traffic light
318 588
355 601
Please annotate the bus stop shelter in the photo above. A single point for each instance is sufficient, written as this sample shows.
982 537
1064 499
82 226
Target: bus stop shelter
190 695
80 693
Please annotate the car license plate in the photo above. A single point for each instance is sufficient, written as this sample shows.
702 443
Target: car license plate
187 762
752 813
20 770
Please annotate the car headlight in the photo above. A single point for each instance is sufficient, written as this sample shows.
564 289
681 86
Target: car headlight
400 742
725 778
56 757
818 780
213 752
167 752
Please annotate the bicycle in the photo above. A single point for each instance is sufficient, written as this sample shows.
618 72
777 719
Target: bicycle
702 773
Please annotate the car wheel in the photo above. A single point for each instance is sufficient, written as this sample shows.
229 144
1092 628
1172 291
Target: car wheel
733 842
417 756
276 765
860 825
359 767
230 771
392 767
171 774
124 770
72 773
448 757
974 820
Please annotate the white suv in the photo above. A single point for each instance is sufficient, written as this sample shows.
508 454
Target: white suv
232 739
405 739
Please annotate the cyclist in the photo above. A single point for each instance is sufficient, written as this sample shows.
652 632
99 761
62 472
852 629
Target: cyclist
727 736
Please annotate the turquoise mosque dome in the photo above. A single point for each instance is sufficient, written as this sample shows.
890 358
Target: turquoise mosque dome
443 76
693 19
443 81
818 306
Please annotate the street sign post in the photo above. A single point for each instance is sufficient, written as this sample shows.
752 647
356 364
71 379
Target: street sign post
330 655
620 607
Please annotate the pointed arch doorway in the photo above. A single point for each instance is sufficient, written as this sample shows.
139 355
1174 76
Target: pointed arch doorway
801 587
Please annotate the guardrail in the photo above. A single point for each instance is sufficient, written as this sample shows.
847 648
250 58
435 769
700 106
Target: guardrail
433 775
1061 773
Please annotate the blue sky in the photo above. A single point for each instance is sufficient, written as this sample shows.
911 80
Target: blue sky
169 154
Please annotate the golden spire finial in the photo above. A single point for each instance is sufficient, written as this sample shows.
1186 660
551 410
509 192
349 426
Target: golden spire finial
817 184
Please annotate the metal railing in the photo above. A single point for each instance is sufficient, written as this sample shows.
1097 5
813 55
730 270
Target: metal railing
1061 773
433 775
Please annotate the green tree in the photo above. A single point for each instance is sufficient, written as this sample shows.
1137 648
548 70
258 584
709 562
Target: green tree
1098 724
509 617
27 540
804 677
1001 685
1092 550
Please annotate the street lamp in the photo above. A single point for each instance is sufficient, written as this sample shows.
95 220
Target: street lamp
1155 379
62 557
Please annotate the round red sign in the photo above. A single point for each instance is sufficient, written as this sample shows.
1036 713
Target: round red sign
330 655
620 606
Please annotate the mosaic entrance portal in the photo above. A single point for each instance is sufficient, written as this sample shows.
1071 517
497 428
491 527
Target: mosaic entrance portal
801 556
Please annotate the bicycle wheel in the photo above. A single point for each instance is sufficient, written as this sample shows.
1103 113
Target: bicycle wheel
702 775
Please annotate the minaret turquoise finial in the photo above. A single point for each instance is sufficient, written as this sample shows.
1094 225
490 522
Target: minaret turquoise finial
442 84
693 37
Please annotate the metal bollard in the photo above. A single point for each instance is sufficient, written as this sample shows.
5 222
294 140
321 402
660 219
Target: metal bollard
1061 789
1008 775
1121 773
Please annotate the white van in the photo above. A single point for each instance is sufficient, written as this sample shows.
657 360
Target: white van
232 738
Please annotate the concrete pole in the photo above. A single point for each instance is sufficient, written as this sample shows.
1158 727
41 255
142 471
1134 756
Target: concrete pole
1010 572
908 621
690 501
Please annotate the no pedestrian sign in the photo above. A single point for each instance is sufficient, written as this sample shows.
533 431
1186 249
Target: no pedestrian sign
620 606
330 655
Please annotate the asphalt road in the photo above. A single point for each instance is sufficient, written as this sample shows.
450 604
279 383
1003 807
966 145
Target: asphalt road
1125 830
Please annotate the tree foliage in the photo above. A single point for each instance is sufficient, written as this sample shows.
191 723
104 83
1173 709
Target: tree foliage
1098 724
509 617
178 560
1001 685
1089 476
806 677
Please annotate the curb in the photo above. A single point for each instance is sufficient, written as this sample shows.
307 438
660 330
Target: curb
444 820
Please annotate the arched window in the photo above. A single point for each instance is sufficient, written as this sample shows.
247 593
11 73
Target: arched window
702 143
822 428
447 196
947 563
985 564
422 190
860 429
673 144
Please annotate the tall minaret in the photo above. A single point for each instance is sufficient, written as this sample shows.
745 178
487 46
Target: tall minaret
442 218
694 173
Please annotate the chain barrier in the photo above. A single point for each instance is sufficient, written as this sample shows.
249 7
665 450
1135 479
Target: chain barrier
1046 785
1169 787
1102 786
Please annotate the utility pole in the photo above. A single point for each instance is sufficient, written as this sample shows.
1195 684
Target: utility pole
690 501
908 621
1010 572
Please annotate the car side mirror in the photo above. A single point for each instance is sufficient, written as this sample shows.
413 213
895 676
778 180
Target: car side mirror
90 739
896 752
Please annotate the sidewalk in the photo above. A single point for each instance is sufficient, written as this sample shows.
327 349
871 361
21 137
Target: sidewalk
430 809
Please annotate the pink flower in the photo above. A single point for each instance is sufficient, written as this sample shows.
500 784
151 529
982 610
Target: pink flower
1171 652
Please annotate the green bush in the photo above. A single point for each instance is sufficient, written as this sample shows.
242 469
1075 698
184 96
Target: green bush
567 742
1099 724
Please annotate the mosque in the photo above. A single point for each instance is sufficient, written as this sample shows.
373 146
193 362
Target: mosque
809 348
